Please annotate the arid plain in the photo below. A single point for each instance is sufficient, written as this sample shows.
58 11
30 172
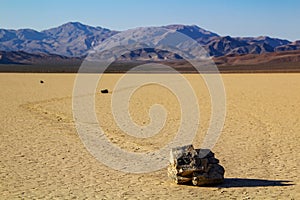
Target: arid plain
42 156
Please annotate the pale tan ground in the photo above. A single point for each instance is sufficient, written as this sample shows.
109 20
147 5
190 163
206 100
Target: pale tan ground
41 155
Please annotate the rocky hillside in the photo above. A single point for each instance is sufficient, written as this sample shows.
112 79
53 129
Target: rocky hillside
71 39
21 57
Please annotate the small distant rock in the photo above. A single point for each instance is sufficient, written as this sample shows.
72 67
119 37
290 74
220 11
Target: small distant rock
196 166
41 81
104 91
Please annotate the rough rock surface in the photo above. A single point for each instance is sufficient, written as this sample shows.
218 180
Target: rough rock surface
196 166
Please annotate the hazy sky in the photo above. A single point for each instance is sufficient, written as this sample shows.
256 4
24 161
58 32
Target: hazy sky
276 18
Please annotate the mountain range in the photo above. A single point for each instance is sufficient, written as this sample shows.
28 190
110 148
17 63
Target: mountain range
73 40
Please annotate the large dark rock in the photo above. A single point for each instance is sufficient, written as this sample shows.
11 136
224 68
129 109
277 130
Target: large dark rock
196 166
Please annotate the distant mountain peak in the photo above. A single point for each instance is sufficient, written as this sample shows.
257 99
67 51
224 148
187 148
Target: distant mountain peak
195 32
263 37
77 25
189 28
182 26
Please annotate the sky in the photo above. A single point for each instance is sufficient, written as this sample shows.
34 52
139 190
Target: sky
275 18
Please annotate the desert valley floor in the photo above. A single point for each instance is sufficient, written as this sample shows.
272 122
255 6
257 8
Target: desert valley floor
41 155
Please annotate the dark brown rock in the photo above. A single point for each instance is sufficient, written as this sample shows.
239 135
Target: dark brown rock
196 166
213 160
104 91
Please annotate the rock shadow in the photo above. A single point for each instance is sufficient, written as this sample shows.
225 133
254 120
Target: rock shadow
246 182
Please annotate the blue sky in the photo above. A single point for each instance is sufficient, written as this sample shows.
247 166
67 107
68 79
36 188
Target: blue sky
276 18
